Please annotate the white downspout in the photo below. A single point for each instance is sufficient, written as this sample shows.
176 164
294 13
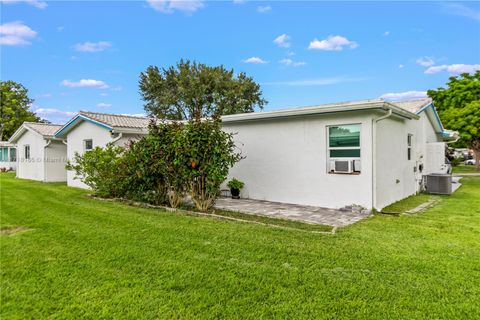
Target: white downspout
374 154
116 138
44 160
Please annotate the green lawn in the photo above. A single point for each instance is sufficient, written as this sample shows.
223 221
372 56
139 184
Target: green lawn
78 257
464 168
410 203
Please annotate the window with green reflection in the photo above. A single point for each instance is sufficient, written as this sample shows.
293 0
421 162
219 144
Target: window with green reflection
344 141
344 136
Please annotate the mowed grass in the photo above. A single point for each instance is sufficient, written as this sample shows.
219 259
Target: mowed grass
409 203
465 168
77 257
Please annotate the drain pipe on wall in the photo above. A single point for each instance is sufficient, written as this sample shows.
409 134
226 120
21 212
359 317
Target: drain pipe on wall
116 138
44 160
374 154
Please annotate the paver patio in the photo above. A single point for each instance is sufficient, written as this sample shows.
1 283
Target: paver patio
309 214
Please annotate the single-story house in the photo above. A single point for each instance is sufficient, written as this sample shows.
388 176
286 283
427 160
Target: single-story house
40 156
88 130
8 156
369 153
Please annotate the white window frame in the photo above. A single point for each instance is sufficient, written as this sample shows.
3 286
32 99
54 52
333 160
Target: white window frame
85 144
26 151
409 147
12 159
343 148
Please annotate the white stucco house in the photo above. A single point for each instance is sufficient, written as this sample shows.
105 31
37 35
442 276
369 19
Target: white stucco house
40 156
8 156
369 153
88 130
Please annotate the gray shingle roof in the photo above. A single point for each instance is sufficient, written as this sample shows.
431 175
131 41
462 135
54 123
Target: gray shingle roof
413 105
45 129
116 120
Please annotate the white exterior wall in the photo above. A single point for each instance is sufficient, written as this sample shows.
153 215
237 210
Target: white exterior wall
32 169
100 137
396 176
286 161
75 144
55 162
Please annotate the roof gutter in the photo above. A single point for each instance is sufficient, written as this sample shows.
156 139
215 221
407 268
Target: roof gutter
319 110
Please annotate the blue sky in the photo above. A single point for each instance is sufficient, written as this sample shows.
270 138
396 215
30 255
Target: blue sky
88 55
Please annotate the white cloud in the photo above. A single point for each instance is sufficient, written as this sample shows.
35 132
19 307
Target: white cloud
104 105
264 9
454 68
170 6
92 46
84 83
141 115
290 62
425 61
36 3
104 94
255 60
282 40
462 10
53 115
332 43
404 95
314 82
44 95
401 66
16 34
239 1
386 33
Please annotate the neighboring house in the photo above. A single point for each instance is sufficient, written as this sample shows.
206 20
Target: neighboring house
40 156
88 130
369 153
8 156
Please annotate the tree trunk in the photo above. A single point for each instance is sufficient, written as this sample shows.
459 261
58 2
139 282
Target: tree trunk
476 151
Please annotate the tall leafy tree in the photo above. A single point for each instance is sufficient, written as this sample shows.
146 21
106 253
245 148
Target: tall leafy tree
459 108
14 104
192 90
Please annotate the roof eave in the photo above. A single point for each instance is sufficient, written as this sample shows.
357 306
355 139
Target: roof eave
319 110
130 130
18 133
72 123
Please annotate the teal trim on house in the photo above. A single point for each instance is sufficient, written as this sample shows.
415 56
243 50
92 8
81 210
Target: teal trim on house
75 120
437 117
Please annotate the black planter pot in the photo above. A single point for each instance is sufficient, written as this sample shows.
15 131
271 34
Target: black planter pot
235 193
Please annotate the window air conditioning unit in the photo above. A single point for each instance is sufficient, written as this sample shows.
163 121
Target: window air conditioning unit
343 166
439 183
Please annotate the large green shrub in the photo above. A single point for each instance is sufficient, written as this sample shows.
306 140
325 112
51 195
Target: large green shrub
161 168
210 153
99 169
142 167
171 162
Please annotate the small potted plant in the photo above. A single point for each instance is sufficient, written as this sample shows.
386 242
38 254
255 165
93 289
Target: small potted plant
235 186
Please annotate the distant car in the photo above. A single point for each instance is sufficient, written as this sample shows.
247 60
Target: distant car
470 161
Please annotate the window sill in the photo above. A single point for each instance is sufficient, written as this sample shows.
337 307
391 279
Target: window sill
345 174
